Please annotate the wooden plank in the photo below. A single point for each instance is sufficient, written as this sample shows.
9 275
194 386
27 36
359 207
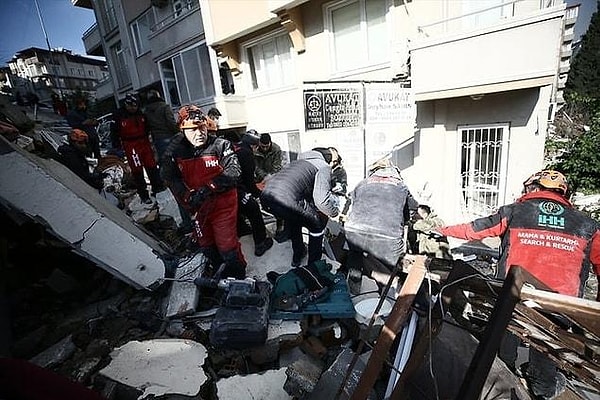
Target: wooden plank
584 312
392 325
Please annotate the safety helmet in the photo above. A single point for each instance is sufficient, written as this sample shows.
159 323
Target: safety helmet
190 117
384 163
549 179
77 135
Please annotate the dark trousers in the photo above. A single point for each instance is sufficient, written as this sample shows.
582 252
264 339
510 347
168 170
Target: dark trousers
315 238
542 374
249 208
294 221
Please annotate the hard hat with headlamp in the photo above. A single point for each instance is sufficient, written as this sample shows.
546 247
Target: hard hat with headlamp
191 117
549 179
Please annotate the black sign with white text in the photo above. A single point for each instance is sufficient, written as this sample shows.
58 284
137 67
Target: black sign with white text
332 108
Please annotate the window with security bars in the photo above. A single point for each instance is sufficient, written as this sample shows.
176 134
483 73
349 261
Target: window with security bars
483 168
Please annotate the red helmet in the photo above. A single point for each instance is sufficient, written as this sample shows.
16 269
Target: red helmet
191 116
77 135
549 179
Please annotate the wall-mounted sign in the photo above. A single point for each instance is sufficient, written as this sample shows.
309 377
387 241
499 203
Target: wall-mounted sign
332 108
389 104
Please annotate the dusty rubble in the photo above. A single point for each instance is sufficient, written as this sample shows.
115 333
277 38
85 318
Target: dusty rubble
65 314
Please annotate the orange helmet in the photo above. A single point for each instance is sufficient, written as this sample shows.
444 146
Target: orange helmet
77 135
211 124
191 116
549 179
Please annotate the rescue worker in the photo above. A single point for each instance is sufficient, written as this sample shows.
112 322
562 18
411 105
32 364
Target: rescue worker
339 177
430 243
212 122
300 194
248 193
160 121
202 172
73 156
267 157
544 234
131 134
78 118
163 127
381 205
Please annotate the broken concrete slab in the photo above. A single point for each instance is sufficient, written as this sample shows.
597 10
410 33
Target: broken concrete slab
167 205
332 379
56 353
265 386
143 364
184 294
47 192
303 375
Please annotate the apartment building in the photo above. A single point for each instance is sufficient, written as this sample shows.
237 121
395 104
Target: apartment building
461 92
45 72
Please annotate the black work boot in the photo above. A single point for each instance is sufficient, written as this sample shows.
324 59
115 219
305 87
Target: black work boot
262 247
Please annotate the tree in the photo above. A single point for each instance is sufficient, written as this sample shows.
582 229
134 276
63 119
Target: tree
584 74
576 144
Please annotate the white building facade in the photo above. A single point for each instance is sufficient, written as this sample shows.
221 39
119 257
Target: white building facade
460 92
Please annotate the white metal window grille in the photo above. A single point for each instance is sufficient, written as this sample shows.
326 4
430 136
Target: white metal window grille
270 61
140 30
359 33
483 168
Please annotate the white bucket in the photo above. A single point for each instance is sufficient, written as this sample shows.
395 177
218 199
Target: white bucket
366 307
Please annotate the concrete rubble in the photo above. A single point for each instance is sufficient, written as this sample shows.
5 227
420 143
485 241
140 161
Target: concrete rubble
158 367
96 327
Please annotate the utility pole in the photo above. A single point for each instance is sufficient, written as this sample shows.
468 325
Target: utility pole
52 74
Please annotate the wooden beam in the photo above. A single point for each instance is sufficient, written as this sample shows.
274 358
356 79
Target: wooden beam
394 322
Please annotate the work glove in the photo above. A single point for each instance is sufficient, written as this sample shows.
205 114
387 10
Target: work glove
198 197
338 189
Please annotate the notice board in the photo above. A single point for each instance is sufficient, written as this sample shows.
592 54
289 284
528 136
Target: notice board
332 108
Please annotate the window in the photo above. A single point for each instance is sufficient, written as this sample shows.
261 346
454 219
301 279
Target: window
270 62
140 30
187 76
109 15
358 33
121 70
483 167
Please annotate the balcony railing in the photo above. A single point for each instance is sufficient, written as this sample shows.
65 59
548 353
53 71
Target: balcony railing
188 8
484 17
89 31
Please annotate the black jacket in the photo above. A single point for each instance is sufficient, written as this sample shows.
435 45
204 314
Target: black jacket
304 188
245 157
74 159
